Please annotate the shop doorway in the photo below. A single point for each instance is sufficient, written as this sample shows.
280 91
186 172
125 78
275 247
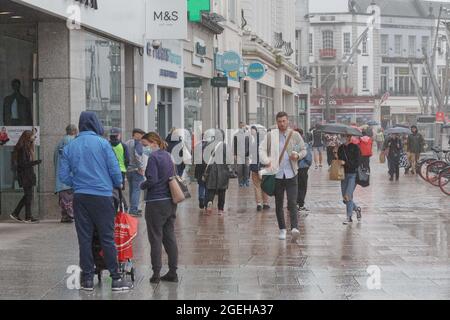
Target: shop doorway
164 111
19 88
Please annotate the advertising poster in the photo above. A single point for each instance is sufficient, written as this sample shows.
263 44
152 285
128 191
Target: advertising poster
9 136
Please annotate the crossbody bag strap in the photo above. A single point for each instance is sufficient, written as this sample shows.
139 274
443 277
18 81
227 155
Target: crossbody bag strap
285 147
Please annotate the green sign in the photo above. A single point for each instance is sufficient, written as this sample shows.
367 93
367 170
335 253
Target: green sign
219 82
191 82
196 7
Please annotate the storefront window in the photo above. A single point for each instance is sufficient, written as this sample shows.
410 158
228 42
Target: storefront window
265 110
192 107
104 79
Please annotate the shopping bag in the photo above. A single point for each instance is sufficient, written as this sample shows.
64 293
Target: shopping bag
337 172
363 176
404 163
125 230
268 184
382 157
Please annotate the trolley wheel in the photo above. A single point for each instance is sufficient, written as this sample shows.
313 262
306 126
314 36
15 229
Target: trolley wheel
132 273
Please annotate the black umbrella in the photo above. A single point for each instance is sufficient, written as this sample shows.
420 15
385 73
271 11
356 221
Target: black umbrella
372 123
340 129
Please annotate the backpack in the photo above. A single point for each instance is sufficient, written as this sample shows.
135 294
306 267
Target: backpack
366 144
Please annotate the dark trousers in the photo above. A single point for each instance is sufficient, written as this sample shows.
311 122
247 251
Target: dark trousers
394 166
160 217
202 193
330 155
365 162
291 188
26 201
95 212
221 194
302 178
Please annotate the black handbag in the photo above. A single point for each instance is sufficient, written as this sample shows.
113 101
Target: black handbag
363 176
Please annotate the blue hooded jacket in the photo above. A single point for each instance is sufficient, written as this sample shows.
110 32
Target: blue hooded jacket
89 164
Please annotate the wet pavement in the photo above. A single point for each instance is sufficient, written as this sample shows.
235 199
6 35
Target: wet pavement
404 234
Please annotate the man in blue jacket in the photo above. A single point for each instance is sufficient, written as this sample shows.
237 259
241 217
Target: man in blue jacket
90 167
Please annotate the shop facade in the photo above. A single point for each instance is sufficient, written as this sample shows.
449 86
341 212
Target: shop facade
63 69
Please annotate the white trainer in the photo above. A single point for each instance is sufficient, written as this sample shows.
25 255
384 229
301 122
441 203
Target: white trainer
282 235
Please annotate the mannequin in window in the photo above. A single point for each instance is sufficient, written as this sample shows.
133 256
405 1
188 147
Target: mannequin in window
17 108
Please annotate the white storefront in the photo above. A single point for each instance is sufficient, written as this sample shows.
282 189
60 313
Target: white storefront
163 83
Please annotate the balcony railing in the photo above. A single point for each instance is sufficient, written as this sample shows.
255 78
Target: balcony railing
327 53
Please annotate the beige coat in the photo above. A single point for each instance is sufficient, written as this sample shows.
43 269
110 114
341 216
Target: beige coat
296 146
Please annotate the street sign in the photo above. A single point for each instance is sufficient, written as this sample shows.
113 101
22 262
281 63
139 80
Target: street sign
231 61
196 7
192 82
219 82
256 70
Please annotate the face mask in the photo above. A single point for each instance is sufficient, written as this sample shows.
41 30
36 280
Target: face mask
148 151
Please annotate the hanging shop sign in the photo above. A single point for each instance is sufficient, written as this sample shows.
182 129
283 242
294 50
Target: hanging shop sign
256 70
167 20
196 7
219 82
231 61
192 82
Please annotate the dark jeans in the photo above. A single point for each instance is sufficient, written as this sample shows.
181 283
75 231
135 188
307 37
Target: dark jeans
26 201
221 193
134 183
95 212
394 166
291 188
302 178
160 217
180 169
330 155
202 193
365 162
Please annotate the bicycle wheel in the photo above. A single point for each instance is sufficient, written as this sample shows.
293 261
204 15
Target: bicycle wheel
422 168
433 171
444 181
447 157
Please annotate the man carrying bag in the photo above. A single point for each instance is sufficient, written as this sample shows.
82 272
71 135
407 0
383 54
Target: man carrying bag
286 149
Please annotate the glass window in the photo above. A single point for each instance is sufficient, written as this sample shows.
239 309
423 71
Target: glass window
192 107
311 48
398 45
265 110
347 42
425 43
365 77
232 11
384 44
425 81
384 80
327 37
104 79
412 46
364 45
403 83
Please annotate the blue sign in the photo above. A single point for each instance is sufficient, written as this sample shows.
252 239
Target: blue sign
231 61
256 70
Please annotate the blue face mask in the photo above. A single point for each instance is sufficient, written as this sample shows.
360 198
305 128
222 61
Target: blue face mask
147 151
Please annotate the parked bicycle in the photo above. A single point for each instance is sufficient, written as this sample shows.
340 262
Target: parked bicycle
423 164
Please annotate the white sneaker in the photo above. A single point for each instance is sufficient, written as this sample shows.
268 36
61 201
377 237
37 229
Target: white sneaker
295 234
282 235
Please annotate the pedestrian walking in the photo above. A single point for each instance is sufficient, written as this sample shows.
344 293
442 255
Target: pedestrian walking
217 175
379 138
241 143
65 193
121 151
416 144
303 169
280 151
332 142
317 145
262 199
135 170
199 172
23 159
350 156
160 211
90 167
366 147
393 148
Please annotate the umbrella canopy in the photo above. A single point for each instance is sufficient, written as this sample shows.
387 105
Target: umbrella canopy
398 130
340 129
372 123
447 126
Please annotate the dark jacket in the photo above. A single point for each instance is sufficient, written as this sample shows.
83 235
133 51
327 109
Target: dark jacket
200 168
160 168
351 154
416 143
394 147
318 138
217 175
25 169
172 144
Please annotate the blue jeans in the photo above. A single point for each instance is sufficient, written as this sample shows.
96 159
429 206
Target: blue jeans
348 186
202 192
95 212
134 181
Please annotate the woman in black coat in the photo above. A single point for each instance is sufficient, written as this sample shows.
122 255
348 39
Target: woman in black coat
217 177
23 160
